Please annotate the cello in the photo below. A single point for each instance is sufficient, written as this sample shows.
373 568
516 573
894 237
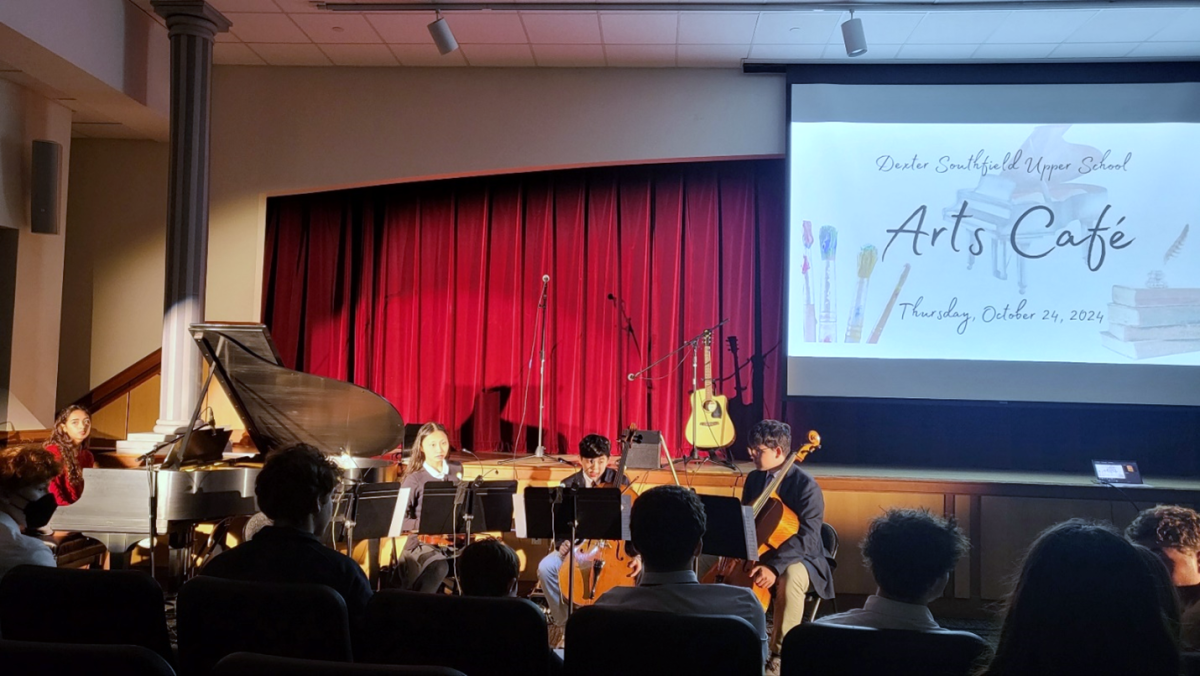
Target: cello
774 523
609 560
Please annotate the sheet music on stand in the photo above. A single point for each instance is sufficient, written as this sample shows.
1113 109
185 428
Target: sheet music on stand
448 508
603 513
731 529
379 510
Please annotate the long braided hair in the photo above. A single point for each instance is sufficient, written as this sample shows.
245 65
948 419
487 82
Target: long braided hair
65 445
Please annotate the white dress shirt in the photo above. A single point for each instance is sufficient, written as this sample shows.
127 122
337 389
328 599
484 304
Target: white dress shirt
17 549
681 593
884 613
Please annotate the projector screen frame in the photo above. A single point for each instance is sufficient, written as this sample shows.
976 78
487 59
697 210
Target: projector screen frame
981 74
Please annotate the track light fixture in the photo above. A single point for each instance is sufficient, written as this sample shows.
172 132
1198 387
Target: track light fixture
853 36
442 37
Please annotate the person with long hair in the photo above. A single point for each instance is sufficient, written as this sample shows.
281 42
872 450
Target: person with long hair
424 565
25 503
69 441
1086 602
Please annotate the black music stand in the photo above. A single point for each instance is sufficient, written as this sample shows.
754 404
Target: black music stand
448 508
731 530
592 513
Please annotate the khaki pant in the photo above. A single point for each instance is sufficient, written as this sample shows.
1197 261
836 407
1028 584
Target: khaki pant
790 590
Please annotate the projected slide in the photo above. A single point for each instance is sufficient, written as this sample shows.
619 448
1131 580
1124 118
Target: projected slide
1063 243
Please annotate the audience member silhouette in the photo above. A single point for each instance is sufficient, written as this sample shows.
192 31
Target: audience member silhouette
910 553
1085 603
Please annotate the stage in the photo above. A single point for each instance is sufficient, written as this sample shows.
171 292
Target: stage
1001 512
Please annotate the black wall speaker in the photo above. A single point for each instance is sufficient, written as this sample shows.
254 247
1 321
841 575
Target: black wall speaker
43 193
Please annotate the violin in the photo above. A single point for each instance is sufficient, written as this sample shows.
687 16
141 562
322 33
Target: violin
774 523
609 564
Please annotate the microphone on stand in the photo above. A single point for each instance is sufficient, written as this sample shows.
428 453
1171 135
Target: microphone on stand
631 377
545 285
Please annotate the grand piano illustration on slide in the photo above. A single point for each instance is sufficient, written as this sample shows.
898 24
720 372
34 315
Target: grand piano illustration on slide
279 407
999 200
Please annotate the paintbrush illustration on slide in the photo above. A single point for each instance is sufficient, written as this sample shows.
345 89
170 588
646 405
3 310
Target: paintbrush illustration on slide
888 310
827 327
866 264
810 310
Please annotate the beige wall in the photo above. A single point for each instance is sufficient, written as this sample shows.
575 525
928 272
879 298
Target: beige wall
37 293
289 130
112 311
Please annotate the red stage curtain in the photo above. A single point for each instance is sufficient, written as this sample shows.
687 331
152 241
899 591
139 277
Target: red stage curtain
427 294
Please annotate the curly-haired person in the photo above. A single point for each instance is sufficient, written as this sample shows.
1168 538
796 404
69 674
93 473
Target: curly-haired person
910 553
1173 533
25 502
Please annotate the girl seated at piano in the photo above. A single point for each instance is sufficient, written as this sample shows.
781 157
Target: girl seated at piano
69 443
425 564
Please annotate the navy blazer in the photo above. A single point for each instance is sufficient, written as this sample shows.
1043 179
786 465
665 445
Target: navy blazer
607 477
803 496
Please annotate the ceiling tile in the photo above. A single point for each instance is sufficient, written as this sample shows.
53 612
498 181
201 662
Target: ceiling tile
505 56
1153 50
935 52
1092 50
426 55
1184 29
557 28
791 28
716 28
359 55
235 54
640 56
225 6
227 36
886 28
340 28
403 28
711 56
643 28
291 55
569 56
1040 26
837 52
299 6
273 28
786 52
1021 51
944 28
487 28
1125 25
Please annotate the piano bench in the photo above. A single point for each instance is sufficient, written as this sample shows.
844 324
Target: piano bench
76 550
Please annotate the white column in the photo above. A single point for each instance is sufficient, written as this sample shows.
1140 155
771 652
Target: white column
192 25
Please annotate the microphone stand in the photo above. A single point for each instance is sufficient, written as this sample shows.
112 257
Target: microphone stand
539 453
694 344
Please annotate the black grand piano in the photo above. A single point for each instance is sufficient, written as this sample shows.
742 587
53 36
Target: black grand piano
279 407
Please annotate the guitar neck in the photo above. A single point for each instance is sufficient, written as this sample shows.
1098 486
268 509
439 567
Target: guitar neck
708 389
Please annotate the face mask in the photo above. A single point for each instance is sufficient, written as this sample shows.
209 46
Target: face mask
38 512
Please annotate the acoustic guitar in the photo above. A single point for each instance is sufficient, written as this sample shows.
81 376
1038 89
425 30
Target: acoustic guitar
709 425
774 523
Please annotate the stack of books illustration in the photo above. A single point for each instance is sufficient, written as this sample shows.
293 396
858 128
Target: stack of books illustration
1148 322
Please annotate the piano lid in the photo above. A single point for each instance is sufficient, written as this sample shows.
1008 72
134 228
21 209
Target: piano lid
282 407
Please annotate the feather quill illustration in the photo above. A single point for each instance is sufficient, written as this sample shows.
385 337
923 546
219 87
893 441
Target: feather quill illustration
1175 248
810 310
827 325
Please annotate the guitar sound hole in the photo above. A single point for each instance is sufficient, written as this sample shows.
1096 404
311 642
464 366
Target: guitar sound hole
713 408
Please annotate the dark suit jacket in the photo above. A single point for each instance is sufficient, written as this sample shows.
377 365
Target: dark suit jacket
803 496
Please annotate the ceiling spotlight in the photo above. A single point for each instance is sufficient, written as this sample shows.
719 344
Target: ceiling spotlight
852 35
444 39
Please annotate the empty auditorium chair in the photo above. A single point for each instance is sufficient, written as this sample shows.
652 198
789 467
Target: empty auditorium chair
108 607
218 617
647 642
250 664
815 649
477 636
71 659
